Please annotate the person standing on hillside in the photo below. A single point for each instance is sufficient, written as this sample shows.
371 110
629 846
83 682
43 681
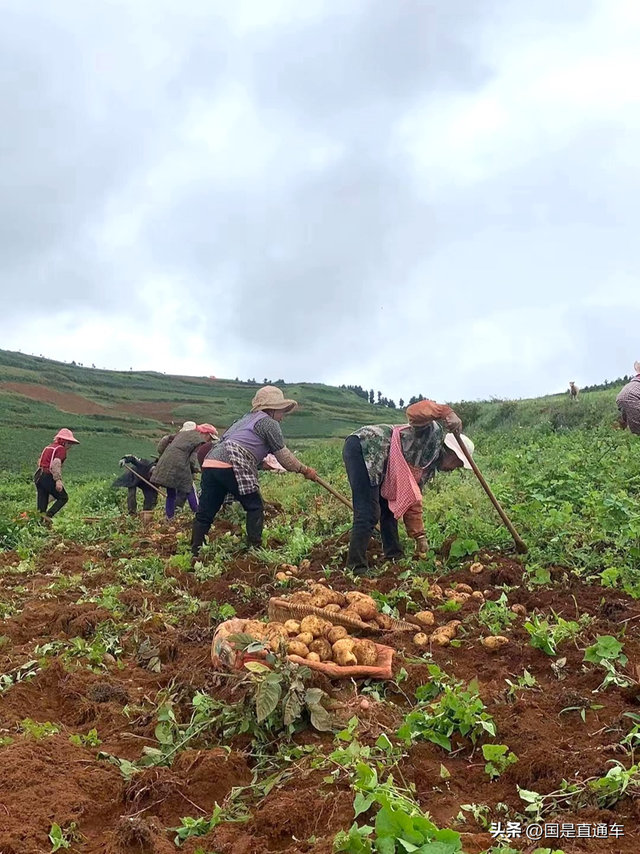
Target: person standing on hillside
629 403
232 465
176 467
388 466
48 476
129 479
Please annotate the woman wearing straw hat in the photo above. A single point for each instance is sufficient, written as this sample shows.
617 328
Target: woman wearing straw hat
388 466
232 465
48 476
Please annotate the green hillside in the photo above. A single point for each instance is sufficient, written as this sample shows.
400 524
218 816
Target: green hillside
118 412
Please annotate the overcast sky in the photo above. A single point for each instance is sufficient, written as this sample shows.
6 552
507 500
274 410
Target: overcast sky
435 196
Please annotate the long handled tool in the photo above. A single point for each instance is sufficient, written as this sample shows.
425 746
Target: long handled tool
144 480
521 546
335 494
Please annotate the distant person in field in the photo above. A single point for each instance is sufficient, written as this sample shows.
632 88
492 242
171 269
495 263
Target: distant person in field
130 481
231 467
573 391
388 466
176 467
48 477
164 443
629 403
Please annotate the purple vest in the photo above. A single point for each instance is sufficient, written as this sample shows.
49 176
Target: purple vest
244 435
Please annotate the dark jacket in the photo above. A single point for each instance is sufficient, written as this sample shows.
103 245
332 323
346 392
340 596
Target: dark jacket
128 478
175 467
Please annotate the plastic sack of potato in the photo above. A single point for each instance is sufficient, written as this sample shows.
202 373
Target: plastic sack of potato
225 656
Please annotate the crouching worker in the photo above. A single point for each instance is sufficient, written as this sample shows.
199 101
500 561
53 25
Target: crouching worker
48 476
176 467
134 478
232 465
388 466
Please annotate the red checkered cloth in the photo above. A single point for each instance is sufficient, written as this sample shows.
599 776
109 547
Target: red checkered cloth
399 486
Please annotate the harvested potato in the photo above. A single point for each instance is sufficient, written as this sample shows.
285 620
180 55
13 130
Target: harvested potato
364 608
281 576
255 628
453 624
313 656
317 626
332 609
477 595
292 627
441 638
349 613
305 637
384 621
297 648
421 639
336 634
276 633
464 588
365 652
288 567
494 641
301 597
460 598
476 568
343 652
354 595
322 647
435 592
425 618
321 598
519 609
304 565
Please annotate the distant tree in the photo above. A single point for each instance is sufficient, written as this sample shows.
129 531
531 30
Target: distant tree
379 398
92 365
266 381
401 403
73 363
372 396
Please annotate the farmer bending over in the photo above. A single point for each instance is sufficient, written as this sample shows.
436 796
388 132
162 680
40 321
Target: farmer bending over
629 403
48 476
130 480
176 467
387 468
232 465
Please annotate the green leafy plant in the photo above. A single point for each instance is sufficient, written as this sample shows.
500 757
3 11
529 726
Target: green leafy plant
38 731
547 636
463 547
400 825
496 615
526 682
89 740
456 712
498 758
201 826
607 653
62 837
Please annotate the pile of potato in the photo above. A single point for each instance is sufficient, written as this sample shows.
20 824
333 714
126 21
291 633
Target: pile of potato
315 639
352 604
462 593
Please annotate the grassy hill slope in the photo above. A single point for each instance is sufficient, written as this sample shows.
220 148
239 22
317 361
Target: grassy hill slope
117 412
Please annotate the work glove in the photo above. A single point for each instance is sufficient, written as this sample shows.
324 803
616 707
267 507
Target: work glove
422 546
309 473
59 486
453 423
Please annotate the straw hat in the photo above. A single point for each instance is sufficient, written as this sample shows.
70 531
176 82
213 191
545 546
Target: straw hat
452 443
270 397
65 435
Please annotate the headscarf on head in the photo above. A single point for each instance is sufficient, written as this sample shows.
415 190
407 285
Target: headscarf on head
188 425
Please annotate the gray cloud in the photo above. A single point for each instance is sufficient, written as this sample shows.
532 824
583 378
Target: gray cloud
318 192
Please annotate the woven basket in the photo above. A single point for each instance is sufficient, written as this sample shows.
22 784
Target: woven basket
281 610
